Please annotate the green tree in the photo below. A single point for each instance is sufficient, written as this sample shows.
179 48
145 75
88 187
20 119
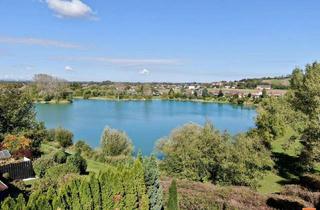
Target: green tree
75 194
220 94
84 149
17 116
205 93
272 120
16 111
138 171
247 162
41 165
173 203
305 97
264 93
64 137
78 162
96 192
115 143
106 189
171 93
60 156
20 203
152 181
203 153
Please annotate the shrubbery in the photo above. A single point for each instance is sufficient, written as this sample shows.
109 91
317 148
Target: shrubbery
60 156
77 162
203 153
63 137
114 143
60 170
117 188
41 165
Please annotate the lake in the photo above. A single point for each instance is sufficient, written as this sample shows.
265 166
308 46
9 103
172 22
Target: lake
144 121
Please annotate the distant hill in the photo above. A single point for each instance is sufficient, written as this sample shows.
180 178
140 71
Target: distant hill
275 82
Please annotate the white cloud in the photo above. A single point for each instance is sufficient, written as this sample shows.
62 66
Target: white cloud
38 42
68 68
144 72
121 61
70 8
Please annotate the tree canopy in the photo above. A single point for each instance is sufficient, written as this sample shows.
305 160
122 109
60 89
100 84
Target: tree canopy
115 143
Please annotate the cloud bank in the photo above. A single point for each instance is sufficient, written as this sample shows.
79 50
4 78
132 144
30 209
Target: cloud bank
38 42
70 8
121 61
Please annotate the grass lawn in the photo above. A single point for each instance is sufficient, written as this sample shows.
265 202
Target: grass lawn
272 182
292 150
92 166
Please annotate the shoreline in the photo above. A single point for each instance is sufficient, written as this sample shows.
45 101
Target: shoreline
52 102
159 99
65 102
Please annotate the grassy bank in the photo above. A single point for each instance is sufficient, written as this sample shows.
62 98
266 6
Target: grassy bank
284 154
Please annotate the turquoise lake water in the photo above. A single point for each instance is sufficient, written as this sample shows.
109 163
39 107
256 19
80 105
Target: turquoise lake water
144 121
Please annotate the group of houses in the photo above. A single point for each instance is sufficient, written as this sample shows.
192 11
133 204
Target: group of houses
12 169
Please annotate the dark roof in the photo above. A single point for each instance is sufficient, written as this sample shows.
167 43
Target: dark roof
4 154
19 170
3 186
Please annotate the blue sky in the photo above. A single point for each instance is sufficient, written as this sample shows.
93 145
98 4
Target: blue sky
157 40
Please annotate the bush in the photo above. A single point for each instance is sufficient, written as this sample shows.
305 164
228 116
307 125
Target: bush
310 181
51 134
285 202
78 162
60 157
84 149
204 154
112 160
41 165
64 137
58 171
301 192
114 143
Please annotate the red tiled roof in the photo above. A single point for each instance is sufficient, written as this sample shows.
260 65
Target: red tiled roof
3 186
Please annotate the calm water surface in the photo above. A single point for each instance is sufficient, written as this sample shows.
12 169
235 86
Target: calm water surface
144 121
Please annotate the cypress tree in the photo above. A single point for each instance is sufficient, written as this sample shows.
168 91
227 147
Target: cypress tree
59 202
75 194
131 199
173 196
51 193
42 203
154 189
33 200
8 204
106 190
21 203
95 191
118 190
85 195
68 196
140 184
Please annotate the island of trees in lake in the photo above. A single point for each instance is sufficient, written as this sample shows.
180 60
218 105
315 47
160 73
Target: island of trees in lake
274 165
